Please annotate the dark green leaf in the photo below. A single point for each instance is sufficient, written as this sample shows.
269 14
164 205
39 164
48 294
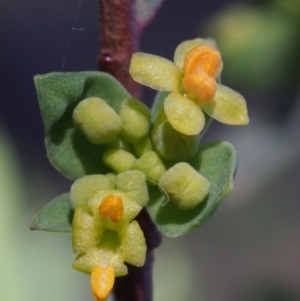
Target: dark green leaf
217 162
59 93
56 216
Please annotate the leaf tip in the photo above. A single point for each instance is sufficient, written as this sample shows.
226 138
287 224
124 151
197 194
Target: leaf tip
32 227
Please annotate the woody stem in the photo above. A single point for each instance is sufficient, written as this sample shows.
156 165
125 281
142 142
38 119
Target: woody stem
119 38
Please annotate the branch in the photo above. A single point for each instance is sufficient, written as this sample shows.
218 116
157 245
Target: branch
118 32
119 38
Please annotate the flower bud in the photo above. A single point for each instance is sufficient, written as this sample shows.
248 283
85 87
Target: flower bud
142 146
172 145
84 188
119 160
151 165
184 185
135 117
97 120
133 182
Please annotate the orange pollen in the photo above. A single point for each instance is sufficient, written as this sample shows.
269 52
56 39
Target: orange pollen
203 59
202 64
200 86
112 207
102 281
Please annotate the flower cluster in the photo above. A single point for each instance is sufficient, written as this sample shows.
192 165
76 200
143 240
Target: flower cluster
140 152
105 234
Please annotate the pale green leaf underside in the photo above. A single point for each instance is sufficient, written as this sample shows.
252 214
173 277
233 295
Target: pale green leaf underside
217 162
56 216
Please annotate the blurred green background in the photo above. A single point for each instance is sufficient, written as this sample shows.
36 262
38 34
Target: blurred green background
250 248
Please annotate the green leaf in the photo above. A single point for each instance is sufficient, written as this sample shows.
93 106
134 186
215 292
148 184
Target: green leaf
56 216
217 162
58 94
145 10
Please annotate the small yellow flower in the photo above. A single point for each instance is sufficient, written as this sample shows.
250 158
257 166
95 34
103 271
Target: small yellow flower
105 236
191 79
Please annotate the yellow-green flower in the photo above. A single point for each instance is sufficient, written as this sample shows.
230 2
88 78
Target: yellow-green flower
191 79
104 236
104 232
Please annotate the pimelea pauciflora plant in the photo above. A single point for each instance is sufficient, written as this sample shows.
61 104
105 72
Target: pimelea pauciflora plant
123 156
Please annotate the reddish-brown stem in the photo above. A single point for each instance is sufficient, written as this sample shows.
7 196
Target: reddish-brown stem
119 38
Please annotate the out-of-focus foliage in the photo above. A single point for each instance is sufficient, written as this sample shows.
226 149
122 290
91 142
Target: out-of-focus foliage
25 269
10 193
260 44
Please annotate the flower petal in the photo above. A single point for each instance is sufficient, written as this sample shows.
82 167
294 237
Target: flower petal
155 72
227 107
185 47
133 248
184 114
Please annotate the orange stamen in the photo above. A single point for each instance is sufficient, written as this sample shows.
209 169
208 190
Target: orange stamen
202 64
112 207
102 281
203 59
200 86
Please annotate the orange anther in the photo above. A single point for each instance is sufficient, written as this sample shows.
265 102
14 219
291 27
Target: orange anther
202 64
203 59
112 207
200 86
102 281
